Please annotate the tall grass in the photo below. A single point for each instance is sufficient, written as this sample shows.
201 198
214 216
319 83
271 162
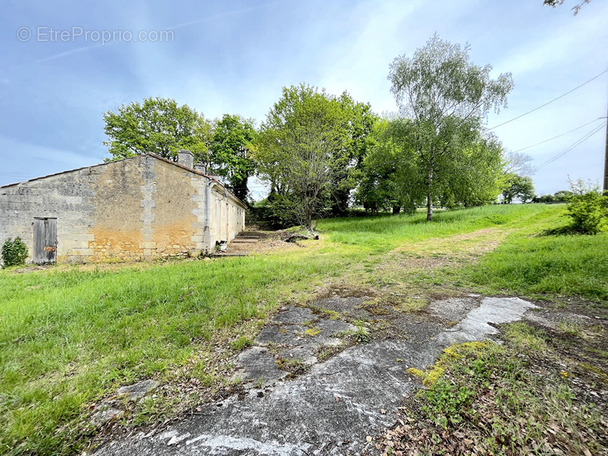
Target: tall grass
386 232
547 265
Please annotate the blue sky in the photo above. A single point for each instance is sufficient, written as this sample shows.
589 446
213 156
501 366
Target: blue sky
234 57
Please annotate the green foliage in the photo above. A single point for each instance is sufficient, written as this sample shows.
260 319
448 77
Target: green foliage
347 163
589 212
389 176
158 125
474 175
361 333
241 343
514 398
447 99
230 158
522 401
520 187
393 173
274 211
446 403
14 252
306 146
562 196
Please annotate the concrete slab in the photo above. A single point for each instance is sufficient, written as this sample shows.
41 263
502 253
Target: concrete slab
475 326
332 408
295 316
258 366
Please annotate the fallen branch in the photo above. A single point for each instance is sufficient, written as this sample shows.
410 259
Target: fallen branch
301 237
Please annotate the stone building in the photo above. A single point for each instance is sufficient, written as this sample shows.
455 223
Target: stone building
137 208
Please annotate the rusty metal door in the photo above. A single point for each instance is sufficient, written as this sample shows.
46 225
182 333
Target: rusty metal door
45 240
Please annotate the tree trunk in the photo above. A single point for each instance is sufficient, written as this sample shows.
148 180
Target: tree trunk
240 189
429 196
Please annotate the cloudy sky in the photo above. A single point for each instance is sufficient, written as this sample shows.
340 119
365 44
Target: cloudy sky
64 63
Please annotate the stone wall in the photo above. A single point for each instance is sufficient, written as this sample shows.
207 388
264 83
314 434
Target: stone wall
138 208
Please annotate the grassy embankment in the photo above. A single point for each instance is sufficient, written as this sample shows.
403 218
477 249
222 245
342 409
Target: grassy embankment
70 336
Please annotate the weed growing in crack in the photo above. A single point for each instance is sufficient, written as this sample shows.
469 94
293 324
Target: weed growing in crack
506 399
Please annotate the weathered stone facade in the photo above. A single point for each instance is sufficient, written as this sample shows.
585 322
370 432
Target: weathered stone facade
138 208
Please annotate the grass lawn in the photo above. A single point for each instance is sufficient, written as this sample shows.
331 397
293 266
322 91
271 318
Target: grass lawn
71 336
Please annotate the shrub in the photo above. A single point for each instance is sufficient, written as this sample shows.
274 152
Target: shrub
14 252
589 212
276 211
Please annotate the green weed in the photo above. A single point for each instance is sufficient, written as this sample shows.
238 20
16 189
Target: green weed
241 343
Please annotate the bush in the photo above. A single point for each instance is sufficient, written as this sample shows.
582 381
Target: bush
589 212
275 211
14 252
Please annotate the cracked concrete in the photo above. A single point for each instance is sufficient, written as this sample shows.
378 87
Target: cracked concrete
331 408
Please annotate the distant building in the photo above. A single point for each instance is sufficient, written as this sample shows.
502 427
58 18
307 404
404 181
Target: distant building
138 208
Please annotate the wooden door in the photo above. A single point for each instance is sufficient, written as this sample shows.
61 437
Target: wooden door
45 240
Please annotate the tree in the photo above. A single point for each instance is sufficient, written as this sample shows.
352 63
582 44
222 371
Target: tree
587 207
520 187
575 8
394 175
562 196
518 163
158 125
446 99
346 163
390 177
230 152
475 174
589 212
298 144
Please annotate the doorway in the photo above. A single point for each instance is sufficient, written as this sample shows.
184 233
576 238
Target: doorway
45 240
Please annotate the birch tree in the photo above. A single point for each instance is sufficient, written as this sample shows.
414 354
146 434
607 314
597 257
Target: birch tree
446 100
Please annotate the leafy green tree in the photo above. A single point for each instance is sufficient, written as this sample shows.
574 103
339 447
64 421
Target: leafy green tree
475 174
394 174
298 144
346 163
230 155
446 99
521 187
587 208
158 125
390 177
547 199
562 196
